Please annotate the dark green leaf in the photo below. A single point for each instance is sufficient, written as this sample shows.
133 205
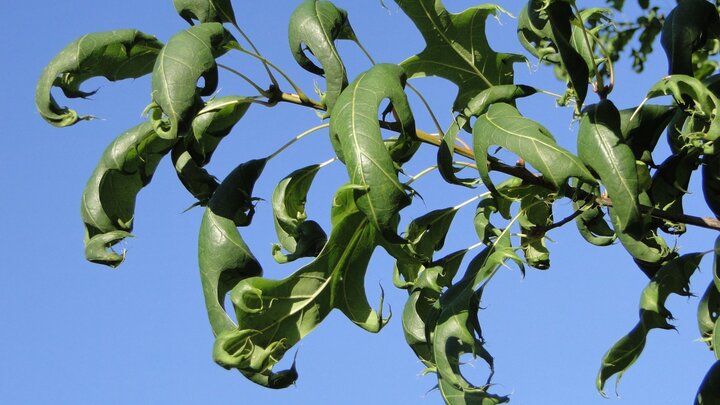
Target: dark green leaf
188 57
687 28
670 184
477 106
210 126
551 31
641 129
220 11
114 55
708 313
108 202
355 129
601 147
709 391
457 48
711 182
504 126
300 238
273 315
673 278
316 25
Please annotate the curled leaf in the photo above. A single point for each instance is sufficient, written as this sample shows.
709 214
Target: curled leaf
316 25
670 183
504 126
224 257
686 29
187 57
273 315
299 237
355 130
114 55
673 278
641 128
709 390
108 202
220 11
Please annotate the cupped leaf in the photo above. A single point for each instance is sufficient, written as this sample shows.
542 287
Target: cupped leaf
205 11
114 55
673 278
316 25
686 29
188 57
504 126
601 147
196 180
477 106
108 202
273 315
355 131
641 128
457 48
591 223
298 236
224 257
709 391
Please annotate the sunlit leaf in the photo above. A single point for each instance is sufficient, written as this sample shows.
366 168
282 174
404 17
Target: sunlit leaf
457 48
316 25
187 57
224 257
673 278
273 315
601 147
354 127
114 55
504 126
108 202
205 10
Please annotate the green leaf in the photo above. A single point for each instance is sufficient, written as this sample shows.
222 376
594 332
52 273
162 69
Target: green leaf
457 330
185 59
504 126
224 257
316 25
108 202
114 55
477 106
457 48
601 147
299 237
711 182
708 313
551 31
670 183
210 126
355 130
591 223
687 28
641 128
205 11
273 315
709 391
673 278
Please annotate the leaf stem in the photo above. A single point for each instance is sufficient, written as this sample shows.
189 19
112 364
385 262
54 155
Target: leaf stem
257 87
252 45
297 138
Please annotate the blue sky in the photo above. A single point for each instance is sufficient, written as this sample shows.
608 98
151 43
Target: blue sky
77 333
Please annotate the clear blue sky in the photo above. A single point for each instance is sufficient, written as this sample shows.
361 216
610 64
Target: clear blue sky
77 333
